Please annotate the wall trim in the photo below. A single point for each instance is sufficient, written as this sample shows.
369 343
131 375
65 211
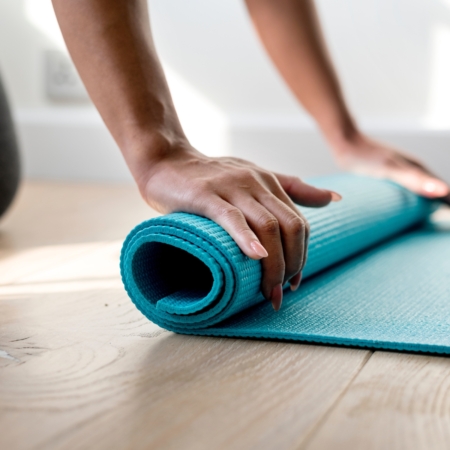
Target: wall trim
62 143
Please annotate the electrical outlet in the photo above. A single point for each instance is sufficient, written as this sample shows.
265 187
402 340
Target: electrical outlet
62 81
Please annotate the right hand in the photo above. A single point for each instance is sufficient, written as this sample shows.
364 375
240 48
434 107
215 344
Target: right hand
255 206
358 153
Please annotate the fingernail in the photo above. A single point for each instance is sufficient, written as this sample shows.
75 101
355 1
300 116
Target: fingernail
335 197
276 297
295 282
259 249
436 188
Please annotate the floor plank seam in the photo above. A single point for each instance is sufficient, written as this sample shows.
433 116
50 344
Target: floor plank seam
321 422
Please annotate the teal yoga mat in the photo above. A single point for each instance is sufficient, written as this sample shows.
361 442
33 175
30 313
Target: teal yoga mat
377 276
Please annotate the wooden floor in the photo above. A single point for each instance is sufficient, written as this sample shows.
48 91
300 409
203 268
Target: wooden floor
80 368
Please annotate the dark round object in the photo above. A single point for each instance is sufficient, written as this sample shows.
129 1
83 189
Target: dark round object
9 155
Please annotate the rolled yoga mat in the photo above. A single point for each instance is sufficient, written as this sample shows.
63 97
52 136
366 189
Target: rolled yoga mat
376 275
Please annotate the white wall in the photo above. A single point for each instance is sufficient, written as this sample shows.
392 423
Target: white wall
393 57
387 52
27 29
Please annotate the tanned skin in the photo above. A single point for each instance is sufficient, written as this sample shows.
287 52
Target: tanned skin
111 44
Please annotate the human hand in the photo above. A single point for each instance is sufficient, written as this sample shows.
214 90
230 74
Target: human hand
256 207
369 157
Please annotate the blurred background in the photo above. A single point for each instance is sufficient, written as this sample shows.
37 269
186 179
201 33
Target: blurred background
393 57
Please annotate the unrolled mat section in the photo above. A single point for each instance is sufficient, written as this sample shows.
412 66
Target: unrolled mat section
375 276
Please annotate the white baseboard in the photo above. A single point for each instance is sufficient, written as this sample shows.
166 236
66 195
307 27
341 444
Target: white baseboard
303 152
68 145
75 145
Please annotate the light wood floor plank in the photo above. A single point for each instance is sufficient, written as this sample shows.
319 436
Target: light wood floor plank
80 367
68 213
24 265
87 375
398 401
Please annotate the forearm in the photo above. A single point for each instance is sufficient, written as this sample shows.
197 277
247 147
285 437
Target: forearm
290 31
112 47
111 44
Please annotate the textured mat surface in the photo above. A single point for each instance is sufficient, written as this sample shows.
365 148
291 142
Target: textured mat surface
375 276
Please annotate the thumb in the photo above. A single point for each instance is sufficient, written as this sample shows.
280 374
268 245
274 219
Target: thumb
305 194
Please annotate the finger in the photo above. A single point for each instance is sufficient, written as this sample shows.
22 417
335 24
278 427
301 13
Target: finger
305 194
234 223
294 230
417 164
431 184
275 187
419 181
434 188
286 213
279 192
295 281
266 227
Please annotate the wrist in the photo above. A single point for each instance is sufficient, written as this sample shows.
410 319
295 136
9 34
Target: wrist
338 128
146 153
148 131
344 139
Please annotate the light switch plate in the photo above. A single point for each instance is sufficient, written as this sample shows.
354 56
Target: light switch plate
62 82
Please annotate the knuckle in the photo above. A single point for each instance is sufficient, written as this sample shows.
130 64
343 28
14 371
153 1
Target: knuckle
268 176
296 180
229 213
269 225
239 160
245 175
291 181
271 182
296 225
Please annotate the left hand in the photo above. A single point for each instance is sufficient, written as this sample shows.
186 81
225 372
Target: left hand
369 157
